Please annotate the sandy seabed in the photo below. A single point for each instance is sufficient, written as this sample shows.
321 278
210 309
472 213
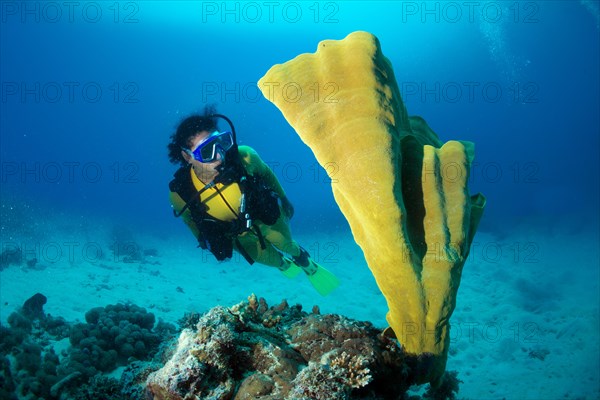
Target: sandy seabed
526 324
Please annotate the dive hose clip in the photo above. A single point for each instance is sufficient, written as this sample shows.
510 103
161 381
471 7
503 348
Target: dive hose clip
246 216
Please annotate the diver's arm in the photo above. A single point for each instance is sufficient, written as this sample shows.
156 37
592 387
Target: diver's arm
288 207
177 203
255 165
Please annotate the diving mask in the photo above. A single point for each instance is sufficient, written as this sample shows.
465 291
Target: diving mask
216 143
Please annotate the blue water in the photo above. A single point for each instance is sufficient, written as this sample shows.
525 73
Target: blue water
524 92
90 95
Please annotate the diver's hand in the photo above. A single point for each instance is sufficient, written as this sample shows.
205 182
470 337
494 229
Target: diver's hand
287 207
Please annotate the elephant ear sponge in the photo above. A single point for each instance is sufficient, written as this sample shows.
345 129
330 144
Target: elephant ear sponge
403 193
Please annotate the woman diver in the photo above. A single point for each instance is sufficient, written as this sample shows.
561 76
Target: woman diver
231 200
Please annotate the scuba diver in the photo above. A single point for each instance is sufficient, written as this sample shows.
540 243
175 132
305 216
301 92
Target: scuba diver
231 200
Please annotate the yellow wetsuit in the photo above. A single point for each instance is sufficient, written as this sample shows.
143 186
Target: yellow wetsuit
277 236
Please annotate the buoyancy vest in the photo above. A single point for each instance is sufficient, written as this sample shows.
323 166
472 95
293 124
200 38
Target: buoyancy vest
222 201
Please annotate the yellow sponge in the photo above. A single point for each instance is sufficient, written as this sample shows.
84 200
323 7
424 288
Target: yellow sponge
403 193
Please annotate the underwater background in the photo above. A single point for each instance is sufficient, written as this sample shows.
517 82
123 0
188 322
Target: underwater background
91 92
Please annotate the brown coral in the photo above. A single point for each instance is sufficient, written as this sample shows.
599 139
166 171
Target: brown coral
233 354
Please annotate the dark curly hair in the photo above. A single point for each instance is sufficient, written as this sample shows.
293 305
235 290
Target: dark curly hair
187 129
